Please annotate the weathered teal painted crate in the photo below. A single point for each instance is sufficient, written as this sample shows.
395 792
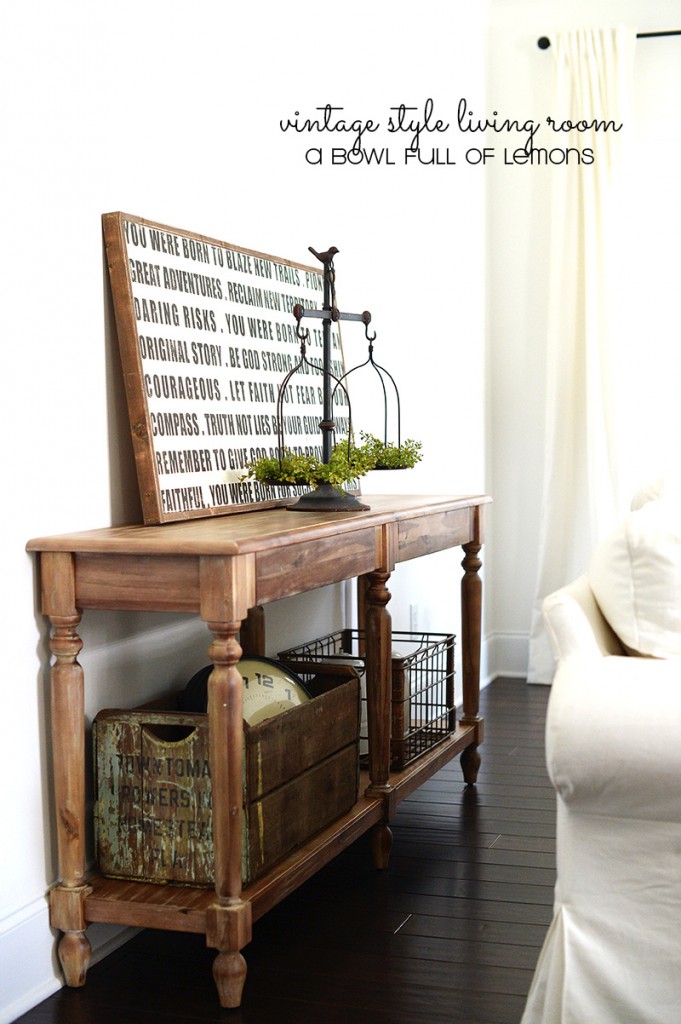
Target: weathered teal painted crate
153 808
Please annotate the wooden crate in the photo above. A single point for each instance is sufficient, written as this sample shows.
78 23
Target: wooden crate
153 809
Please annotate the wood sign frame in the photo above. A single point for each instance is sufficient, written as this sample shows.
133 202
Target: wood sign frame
206 333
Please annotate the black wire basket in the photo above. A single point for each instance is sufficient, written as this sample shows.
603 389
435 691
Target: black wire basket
423 704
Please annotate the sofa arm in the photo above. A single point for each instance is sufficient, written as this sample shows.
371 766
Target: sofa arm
575 624
613 736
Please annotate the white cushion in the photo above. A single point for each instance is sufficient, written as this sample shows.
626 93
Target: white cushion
667 486
635 575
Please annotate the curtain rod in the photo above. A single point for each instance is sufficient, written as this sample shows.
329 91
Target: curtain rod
544 42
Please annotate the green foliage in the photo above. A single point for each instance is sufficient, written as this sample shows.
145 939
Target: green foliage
387 455
347 463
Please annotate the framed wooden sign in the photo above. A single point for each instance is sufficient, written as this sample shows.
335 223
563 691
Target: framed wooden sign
207 334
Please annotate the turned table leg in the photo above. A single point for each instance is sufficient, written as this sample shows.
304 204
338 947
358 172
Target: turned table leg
68 740
378 634
228 920
471 637
227 592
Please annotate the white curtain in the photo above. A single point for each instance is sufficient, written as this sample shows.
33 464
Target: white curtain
582 489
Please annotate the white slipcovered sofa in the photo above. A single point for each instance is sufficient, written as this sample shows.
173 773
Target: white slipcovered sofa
612 954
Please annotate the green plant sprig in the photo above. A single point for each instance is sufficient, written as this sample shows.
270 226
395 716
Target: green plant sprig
346 463
387 455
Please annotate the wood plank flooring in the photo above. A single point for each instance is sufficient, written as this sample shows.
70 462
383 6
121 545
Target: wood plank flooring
449 933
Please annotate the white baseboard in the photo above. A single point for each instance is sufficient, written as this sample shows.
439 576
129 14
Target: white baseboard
31 971
506 655
27 944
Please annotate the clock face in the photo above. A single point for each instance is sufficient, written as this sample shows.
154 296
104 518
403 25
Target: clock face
269 689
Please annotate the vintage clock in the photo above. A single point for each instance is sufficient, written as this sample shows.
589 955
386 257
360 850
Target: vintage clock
269 688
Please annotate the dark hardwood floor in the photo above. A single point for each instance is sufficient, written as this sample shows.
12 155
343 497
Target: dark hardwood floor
449 933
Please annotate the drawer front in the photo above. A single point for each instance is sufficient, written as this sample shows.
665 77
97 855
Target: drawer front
426 534
285 571
151 583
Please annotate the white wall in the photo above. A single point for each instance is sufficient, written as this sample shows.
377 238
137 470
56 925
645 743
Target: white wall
170 111
519 79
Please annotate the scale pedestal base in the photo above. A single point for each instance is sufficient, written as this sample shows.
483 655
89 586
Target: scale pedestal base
326 498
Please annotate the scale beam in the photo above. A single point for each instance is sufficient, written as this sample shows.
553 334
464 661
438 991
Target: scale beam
332 314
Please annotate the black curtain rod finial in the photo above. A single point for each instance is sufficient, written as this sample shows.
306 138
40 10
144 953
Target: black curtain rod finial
544 42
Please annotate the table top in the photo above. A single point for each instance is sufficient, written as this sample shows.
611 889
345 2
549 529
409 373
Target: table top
244 532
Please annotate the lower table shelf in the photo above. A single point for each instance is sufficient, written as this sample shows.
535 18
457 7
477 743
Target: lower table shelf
183 908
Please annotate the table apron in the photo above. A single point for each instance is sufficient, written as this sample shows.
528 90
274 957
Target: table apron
167 582
298 568
138 583
437 532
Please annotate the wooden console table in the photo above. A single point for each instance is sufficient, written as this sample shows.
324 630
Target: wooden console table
220 568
